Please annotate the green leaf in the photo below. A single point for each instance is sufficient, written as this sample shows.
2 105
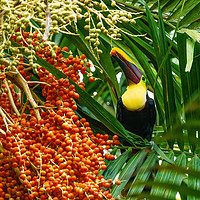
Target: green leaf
189 80
187 7
185 78
192 16
162 154
190 52
166 176
154 33
58 38
113 168
127 171
162 52
195 35
142 175
176 178
162 176
194 182
166 186
170 6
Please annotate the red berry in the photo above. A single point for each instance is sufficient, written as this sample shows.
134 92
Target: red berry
82 56
113 52
91 79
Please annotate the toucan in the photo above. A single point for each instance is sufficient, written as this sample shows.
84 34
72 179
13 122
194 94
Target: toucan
135 109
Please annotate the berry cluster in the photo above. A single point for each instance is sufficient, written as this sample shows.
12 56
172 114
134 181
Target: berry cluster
63 16
10 186
48 150
70 66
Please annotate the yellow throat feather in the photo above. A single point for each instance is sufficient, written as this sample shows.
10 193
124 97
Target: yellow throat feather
135 96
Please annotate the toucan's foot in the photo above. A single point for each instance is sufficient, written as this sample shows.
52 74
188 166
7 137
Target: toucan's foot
152 144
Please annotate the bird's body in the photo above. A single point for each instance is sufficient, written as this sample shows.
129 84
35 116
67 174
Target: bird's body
135 109
139 122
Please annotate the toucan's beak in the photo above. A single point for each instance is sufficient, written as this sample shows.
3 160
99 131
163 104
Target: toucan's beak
130 70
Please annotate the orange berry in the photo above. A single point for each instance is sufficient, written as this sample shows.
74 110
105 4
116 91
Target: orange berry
113 52
103 167
115 137
70 57
82 56
65 49
91 79
117 182
109 196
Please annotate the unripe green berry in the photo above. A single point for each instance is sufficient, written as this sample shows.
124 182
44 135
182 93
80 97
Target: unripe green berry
92 35
79 16
125 20
37 48
93 30
97 43
99 51
53 55
87 20
113 3
103 7
86 27
87 38
92 40
30 46
129 16
99 25
133 21
119 35
18 38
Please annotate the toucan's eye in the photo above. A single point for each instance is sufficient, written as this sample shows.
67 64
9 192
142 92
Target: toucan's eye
143 78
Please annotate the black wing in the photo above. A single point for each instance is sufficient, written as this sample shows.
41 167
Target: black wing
152 111
138 122
119 111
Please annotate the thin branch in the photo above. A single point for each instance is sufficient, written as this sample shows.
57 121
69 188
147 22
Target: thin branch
8 116
39 101
5 119
38 82
24 107
11 98
48 21
22 83
3 132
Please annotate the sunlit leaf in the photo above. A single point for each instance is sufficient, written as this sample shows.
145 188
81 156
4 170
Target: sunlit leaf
195 35
190 53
